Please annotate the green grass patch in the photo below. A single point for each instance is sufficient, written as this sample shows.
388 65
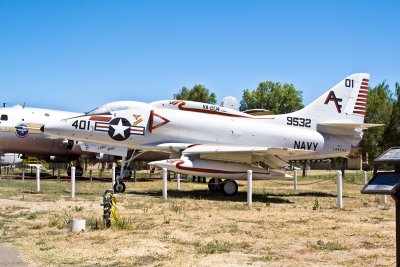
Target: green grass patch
321 245
123 223
261 259
214 247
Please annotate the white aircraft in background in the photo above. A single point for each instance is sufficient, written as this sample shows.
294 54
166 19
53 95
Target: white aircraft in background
10 159
214 141
20 134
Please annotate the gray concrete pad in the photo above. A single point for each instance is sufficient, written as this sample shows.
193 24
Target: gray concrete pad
10 258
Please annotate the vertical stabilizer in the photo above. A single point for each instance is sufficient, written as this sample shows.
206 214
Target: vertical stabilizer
346 101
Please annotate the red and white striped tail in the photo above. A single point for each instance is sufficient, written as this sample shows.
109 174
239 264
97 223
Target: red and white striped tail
360 106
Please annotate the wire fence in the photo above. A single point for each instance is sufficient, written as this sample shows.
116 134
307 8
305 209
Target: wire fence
310 183
352 178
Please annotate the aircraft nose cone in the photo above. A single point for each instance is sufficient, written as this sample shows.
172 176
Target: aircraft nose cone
42 129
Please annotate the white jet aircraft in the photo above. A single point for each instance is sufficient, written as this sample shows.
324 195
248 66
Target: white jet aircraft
20 134
214 141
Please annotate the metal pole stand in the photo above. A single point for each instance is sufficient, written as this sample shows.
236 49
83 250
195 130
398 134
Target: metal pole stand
73 182
164 183
178 181
249 188
339 190
37 178
396 198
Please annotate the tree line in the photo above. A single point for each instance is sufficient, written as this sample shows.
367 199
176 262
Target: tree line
383 107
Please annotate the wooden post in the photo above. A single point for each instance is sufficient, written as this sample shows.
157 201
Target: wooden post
295 180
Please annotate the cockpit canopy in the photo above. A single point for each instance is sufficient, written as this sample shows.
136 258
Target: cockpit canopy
119 105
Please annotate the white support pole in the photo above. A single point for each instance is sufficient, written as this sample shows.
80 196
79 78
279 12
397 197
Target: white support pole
164 183
249 188
73 168
295 180
113 176
384 199
365 177
339 190
37 178
178 181
23 170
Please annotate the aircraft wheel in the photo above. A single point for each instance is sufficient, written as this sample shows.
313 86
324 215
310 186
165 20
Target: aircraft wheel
215 185
119 187
229 187
127 172
78 171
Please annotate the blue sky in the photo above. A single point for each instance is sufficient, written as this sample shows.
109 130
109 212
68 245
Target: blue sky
76 55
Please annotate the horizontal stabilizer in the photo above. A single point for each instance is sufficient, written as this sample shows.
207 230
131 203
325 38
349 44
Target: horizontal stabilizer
344 128
347 125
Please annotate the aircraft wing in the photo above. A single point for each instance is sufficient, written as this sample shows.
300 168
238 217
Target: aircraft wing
274 157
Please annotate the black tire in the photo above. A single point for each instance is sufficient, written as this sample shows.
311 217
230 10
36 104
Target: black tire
215 185
78 171
229 187
119 187
127 172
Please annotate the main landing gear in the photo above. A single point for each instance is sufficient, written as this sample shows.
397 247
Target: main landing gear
119 186
227 187
127 172
78 171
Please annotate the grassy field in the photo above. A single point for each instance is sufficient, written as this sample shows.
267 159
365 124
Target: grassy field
198 228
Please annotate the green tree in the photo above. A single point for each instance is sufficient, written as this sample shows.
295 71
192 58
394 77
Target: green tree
391 134
274 96
379 110
198 93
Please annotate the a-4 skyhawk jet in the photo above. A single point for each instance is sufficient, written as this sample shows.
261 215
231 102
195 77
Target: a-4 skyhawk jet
214 141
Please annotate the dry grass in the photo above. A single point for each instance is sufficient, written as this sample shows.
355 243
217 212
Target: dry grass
198 228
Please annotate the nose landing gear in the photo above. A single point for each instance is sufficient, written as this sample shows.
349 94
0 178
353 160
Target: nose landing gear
119 187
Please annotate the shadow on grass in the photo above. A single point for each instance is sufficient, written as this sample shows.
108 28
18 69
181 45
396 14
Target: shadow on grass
207 195
305 194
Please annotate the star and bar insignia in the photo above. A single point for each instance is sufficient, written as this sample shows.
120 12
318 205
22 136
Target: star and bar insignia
118 129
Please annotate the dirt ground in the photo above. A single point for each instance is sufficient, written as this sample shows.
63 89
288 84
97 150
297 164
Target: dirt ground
194 227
